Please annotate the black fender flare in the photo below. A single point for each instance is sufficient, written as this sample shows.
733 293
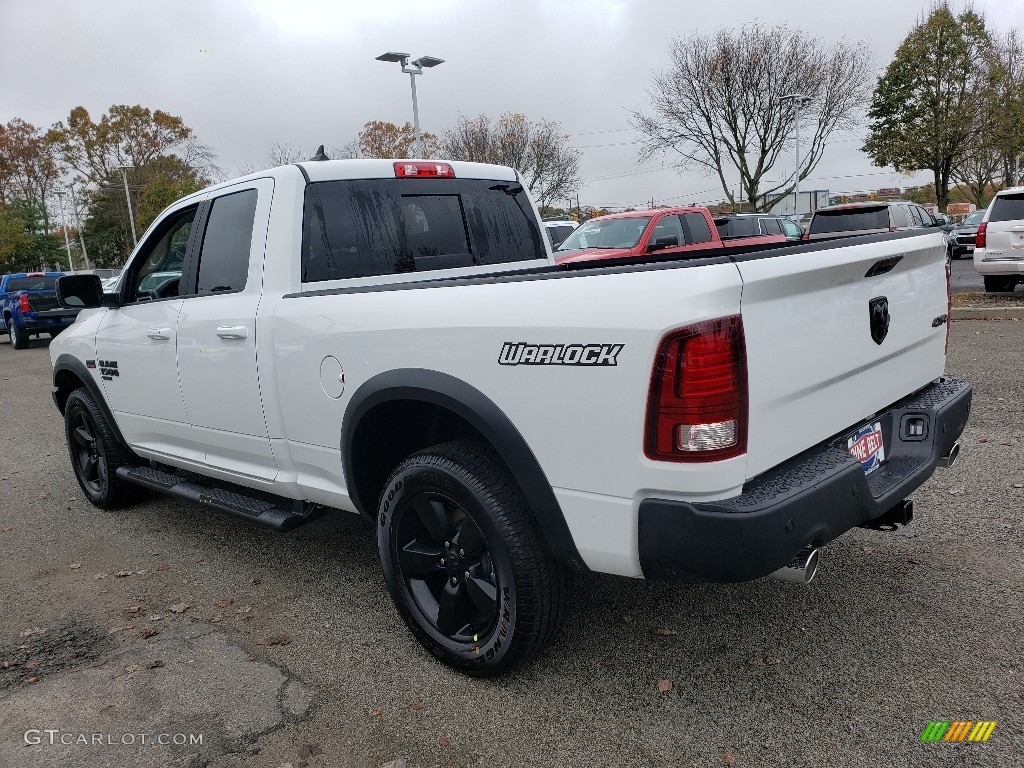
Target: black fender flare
72 364
478 410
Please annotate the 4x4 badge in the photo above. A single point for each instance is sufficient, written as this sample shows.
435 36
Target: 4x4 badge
879 309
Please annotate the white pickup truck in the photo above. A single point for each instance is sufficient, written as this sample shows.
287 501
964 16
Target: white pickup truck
392 338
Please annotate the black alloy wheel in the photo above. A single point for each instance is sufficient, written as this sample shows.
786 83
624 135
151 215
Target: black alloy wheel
96 453
464 559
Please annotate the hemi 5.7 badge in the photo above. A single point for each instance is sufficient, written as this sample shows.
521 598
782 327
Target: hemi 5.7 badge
521 353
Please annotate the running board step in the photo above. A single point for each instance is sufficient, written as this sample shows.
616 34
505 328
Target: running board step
234 503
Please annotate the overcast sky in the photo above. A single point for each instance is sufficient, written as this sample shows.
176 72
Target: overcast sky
245 74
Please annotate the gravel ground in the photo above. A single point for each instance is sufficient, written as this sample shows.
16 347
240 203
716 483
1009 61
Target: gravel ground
284 649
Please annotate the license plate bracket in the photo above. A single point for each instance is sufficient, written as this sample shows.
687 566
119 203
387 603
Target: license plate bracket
867 445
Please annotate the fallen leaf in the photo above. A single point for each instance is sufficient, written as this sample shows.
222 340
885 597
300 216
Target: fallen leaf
6 530
33 631
99 663
75 566
418 704
33 680
1018 485
133 609
148 632
276 640
983 440
154 617
398 762
374 713
285 765
243 609
179 608
131 668
122 574
728 758
201 560
31 664
141 573
216 619
155 664
664 686
444 741
310 750
163 567
661 632
765 661
101 575
250 658
913 561
225 603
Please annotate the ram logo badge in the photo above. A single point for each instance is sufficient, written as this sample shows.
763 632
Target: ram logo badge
521 353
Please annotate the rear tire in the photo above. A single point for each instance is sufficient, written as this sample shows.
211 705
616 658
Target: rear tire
465 561
96 453
19 336
999 284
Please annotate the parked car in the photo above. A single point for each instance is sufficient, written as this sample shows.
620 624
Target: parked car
850 219
502 421
557 231
636 233
999 244
960 241
751 224
28 307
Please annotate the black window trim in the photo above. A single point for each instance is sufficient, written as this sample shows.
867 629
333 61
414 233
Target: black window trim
158 233
190 276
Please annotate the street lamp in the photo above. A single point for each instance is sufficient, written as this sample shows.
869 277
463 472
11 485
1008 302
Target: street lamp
131 216
412 69
798 100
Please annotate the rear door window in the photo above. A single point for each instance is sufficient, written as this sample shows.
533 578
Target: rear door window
771 227
1008 208
850 220
696 228
224 259
371 227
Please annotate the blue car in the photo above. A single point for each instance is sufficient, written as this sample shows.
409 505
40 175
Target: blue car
29 306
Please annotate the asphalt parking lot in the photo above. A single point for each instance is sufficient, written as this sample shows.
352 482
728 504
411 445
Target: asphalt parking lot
184 638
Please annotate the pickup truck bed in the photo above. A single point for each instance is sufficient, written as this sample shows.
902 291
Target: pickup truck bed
392 339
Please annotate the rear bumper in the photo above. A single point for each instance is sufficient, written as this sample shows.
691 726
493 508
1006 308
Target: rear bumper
1006 263
48 320
806 501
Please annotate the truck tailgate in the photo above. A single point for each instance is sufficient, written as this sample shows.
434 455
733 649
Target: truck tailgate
816 364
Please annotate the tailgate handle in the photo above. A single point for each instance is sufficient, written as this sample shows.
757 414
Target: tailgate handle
159 334
882 266
232 332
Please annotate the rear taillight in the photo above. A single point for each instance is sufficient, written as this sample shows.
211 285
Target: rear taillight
418 169
979 240
24 304
697 407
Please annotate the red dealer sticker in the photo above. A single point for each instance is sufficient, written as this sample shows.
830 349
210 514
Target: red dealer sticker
866 446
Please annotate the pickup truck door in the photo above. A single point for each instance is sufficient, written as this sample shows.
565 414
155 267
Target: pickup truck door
135 343
216 329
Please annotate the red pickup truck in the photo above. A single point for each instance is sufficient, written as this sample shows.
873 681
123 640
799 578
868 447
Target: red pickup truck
636 233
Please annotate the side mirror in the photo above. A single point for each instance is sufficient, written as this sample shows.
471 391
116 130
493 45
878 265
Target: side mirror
79 291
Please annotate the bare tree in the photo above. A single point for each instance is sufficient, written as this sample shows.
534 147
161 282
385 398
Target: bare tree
718 104
538 150
1007 102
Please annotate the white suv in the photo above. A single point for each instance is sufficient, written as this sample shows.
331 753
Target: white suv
999 249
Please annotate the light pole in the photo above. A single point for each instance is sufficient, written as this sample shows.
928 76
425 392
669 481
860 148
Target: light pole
131 216
78 223
798 100
63 225
412 69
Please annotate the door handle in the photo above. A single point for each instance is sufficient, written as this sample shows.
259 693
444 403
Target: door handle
159 334
232 332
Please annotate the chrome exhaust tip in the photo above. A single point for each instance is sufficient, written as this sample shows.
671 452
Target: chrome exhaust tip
800 570
950 458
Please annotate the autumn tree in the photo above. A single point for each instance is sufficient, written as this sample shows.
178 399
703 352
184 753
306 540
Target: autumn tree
928 106
1006 103
718 105
379 138
538 150
166 162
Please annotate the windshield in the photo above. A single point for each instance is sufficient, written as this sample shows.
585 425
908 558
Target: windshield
974 219
36 283
607 233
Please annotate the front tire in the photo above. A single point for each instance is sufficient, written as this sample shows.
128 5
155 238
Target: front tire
19 336
999 284
96 453
465 562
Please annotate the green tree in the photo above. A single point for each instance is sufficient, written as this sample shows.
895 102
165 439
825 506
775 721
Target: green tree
927 108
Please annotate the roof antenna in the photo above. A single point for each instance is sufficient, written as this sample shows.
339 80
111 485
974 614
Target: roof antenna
320 154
